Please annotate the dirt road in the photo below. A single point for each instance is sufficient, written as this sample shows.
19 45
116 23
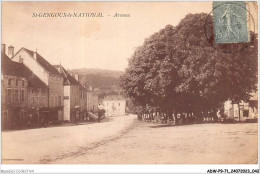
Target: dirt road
46 145
188 144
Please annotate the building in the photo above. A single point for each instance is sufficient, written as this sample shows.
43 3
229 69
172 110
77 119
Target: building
23 95
83 103
114 105
71 94
49 76
83 99
245 111
253 109
92 101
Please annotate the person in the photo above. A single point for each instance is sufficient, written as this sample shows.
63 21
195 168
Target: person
99 116
30 120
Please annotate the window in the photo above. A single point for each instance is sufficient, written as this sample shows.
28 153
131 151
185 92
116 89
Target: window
22 82
9 81
245 113
13 99
9 95
20 59
51 101
44 102
59 100
32 101
38 102
22 95
16 95
56 101
16 82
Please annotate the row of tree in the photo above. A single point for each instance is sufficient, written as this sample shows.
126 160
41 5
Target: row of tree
178 70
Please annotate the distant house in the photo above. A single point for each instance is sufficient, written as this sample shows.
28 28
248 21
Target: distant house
114 105
248 110
49 76
83 103
23 94
92 101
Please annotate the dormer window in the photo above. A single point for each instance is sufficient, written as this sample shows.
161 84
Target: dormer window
20 59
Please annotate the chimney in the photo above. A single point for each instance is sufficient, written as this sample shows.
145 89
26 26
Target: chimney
3 48
76 76
34 54
10 51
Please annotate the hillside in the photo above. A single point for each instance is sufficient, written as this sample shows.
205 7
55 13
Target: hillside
101 72
106 80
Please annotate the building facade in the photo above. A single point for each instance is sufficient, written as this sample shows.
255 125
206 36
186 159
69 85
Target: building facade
92 102
83 103
71 94
49 76
243 111
21 94
114 106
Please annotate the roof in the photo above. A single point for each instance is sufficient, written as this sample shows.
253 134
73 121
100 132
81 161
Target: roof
68 79
114 97
9 67
46 65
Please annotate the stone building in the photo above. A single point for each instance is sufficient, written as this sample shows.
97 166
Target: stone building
244 111
114 105
92 101
23 95
71 95
49 76
83 103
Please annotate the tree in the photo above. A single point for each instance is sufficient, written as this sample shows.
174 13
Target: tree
178 70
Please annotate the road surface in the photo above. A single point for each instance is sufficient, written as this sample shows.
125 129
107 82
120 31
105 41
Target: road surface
45 145
188 144
124 140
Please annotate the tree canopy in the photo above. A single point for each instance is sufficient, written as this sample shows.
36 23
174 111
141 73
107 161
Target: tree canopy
178 70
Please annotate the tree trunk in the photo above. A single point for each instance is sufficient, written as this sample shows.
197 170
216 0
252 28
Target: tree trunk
238 111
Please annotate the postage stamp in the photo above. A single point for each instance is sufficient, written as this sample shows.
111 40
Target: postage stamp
230 22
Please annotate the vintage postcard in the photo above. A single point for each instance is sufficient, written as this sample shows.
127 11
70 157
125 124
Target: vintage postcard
129 82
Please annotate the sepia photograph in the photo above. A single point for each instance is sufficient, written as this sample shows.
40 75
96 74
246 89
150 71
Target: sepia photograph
166 82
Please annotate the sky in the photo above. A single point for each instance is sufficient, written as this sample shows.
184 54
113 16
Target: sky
103 43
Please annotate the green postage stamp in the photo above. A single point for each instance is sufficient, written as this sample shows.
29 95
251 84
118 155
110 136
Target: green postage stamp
230 22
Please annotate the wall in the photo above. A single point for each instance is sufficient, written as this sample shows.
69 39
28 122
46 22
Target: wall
75 94
11 118
66 108
89 101
83 100
92 102
33 65
37 98
13 87
232 111
114 107
56 92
